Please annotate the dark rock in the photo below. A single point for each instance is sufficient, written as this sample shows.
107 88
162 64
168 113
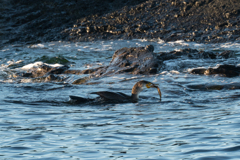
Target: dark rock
150 48
142 28
188 52
40 71
166 56
227 54
78 72
58 70
205 55
52 77
209 87
81 80
206 87
90 71
26 74
70 71
136 60
198 71
44 70
224 70
83 20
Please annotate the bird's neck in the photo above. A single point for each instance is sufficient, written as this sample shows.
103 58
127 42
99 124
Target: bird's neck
134 97
135 92
137 88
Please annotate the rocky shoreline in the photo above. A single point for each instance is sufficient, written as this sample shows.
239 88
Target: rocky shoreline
203 21
136 61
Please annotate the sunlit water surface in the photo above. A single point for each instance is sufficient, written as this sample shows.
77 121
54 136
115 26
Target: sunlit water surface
38 122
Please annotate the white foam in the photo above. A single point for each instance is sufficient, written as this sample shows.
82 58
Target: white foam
37 46
190 69
12 62
164 72
174 72
216 66
31 65
37 64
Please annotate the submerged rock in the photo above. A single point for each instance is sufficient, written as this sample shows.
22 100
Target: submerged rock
135 60
140 60
212 86
227 54
195 54
197 70
224 70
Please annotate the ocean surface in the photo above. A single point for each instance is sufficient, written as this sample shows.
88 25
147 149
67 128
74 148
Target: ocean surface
37 121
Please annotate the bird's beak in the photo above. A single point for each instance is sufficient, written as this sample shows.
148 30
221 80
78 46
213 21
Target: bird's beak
159 91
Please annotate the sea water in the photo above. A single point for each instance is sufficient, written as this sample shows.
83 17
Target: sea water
191 122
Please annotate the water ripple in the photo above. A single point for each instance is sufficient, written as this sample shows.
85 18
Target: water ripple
198 117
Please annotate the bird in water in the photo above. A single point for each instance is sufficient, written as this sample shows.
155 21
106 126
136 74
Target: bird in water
118 97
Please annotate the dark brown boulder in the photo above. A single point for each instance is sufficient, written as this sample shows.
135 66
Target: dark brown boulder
188 52
135 60
224 70
197 71
226 54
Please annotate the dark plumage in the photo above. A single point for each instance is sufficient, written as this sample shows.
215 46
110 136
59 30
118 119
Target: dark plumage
118 97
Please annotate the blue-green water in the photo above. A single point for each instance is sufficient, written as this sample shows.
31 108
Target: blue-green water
38 122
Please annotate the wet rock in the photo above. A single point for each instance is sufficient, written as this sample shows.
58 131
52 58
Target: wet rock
149 48
81 80
205 87
58 70
166 56
87 71
224 70
209 87
198 71
25 74
44 70
135 60
226 54
52 77
188 52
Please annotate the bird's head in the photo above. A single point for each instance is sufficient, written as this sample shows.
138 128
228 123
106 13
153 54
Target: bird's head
150 85
139 86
